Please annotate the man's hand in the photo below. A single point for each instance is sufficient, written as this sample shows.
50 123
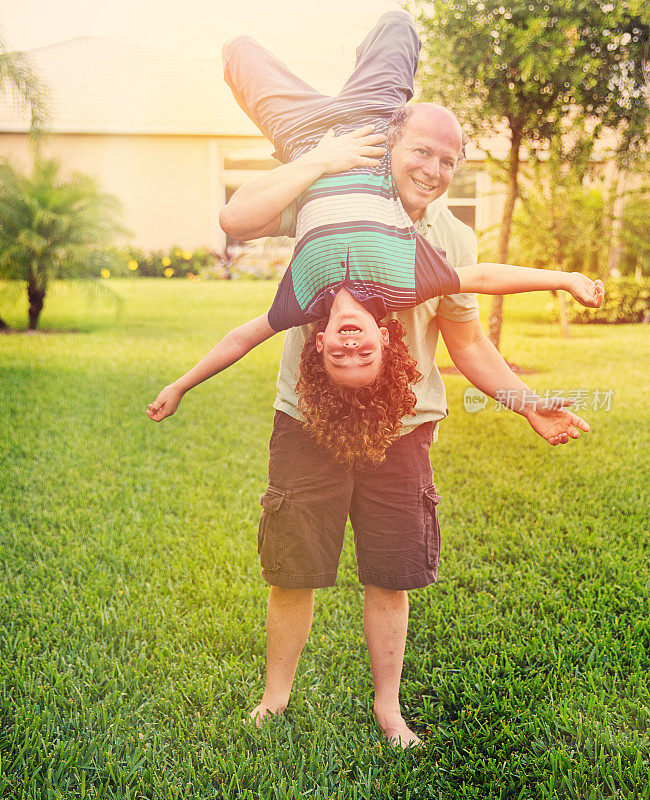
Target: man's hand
481 363
165 404
358 148
256 207
554 422
587 292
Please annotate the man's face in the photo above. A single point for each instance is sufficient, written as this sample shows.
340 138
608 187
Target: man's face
423 160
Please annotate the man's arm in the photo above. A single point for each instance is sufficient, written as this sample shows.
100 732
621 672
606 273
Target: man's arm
255 209
482 364
230 349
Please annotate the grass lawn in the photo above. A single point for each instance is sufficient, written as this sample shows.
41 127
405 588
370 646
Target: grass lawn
132 607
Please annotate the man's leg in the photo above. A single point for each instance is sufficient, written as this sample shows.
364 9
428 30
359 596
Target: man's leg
288 622
397 542
385 622
300 540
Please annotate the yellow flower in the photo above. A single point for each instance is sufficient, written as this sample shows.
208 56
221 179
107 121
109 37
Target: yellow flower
166 261
187 254
132 265
169 272
105 273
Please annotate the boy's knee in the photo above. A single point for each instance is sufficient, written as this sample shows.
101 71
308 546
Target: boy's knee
234 46
397 18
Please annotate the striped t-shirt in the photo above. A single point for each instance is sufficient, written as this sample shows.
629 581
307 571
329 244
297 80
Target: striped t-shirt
352 231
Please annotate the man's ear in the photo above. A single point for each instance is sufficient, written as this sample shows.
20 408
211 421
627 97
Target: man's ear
320 341
385 336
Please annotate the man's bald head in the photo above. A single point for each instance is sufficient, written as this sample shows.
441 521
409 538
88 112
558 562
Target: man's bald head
427 145
432 115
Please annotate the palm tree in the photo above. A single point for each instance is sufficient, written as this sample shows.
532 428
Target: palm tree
18 79
51 227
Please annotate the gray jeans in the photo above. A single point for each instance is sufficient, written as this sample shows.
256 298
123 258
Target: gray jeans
294 116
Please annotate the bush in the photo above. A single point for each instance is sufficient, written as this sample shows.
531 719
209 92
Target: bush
175 263
626 300
635 233
250 262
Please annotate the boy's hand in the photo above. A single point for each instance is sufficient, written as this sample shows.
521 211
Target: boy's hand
355 149
165 404
587 292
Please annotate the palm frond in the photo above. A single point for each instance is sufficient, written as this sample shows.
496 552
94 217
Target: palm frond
19 79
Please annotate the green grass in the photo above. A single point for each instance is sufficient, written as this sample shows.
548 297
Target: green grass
132 608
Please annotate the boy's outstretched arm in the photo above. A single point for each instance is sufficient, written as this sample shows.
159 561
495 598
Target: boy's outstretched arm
488 278
230 349
255 209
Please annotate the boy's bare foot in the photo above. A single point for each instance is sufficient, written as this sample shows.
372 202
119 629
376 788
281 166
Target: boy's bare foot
396 730
262 711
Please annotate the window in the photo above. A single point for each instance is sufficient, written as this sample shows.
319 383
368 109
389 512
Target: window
240 164
230 242
463 186
466 214
461 196
249 163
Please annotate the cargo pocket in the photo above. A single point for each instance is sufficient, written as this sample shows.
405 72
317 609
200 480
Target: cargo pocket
431 498
269 538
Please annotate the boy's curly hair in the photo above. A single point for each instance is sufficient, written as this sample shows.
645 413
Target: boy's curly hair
357 424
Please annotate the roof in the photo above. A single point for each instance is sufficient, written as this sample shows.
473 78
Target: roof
104 85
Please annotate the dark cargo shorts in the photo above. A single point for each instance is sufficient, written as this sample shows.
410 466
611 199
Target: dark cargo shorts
392 508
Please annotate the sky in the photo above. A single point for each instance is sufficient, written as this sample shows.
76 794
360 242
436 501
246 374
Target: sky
294 29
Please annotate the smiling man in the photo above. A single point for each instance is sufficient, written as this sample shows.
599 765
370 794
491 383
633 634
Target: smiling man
426 142
392 506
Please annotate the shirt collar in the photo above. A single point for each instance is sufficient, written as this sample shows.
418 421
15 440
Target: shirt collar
370 300
433 212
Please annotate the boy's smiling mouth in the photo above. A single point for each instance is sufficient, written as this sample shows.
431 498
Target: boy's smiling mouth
349 330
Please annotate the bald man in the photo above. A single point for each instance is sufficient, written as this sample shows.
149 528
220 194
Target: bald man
392 506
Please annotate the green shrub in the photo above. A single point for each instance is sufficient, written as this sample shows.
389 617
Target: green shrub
203 264
626 300
174 263
635 233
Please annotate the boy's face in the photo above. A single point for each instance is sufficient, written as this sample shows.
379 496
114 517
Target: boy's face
351 345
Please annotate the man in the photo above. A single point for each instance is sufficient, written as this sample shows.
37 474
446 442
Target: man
307 504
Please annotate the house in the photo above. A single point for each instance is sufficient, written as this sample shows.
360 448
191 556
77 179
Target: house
163 133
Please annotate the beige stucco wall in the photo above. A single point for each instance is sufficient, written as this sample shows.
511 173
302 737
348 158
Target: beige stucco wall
167 184
171 187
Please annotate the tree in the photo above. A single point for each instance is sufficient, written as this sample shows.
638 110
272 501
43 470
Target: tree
561 222
522 67
635 233
51 227
18 79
